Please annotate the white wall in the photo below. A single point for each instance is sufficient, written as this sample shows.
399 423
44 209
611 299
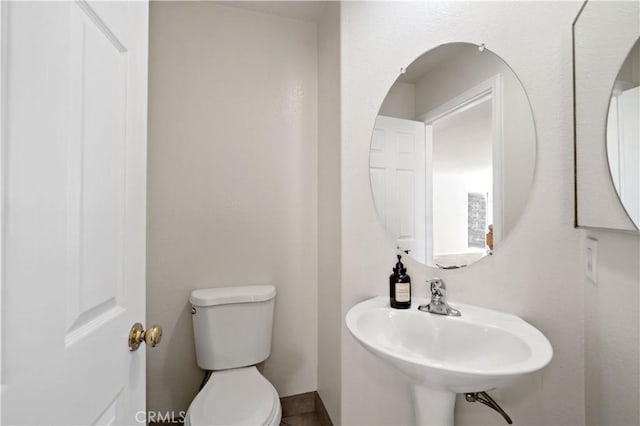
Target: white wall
612 330
535 273
329 254
232 183
612 305
451 217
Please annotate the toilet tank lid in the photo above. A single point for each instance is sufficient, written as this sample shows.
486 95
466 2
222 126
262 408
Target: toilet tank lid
226 295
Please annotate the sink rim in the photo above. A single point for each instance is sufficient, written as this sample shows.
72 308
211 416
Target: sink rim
541 351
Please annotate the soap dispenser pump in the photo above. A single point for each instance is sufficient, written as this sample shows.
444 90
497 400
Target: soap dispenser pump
400 287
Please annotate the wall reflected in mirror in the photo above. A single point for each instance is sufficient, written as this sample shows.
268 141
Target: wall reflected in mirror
623 134
452 155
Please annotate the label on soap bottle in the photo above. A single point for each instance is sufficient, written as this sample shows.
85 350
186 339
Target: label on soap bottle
403 292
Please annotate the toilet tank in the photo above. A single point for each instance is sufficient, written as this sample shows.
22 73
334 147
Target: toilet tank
232 325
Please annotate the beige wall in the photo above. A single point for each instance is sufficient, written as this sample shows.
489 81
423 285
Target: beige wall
232 192
536 272
329 318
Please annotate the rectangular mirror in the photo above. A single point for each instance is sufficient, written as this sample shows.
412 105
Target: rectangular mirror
607 148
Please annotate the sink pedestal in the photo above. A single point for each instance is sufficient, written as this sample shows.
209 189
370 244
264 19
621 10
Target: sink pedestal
433 407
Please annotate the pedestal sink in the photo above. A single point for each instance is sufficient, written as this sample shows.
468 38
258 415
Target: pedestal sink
444 355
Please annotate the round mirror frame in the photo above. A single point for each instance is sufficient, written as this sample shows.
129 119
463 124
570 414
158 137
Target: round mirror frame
525 103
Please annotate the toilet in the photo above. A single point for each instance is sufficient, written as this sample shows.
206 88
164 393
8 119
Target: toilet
232 329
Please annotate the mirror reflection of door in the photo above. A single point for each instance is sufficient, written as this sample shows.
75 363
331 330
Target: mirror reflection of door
397 168
444 162
623 134
452 155
462 176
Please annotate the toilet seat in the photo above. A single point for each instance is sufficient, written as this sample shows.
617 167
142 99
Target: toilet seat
240 396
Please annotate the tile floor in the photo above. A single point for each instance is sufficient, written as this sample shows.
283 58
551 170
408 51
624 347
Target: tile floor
304 409
306 419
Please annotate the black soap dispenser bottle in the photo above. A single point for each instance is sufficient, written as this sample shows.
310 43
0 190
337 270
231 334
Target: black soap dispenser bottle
400 287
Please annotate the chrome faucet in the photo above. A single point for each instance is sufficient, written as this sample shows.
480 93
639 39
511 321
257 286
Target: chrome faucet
438 304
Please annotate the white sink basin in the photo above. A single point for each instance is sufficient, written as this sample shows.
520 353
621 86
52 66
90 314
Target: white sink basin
444 355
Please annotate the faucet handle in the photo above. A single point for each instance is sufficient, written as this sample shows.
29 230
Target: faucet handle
438 304
438 288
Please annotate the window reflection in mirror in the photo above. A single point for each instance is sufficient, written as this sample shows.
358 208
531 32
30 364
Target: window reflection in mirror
452 155
623 134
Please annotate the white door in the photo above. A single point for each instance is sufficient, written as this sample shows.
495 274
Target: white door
623 147
428 172
397 168
629 147
73 236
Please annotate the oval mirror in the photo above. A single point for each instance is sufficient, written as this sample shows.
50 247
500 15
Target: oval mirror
623 134
452 155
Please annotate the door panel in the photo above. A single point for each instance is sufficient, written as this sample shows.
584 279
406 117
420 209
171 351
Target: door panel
95 214
74 211
629 134
398 180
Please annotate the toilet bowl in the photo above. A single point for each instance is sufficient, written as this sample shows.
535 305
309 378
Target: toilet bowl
235 397
232 329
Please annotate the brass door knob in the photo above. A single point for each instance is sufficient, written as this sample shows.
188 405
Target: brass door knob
137 335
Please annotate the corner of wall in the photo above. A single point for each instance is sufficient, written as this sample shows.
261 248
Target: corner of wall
329 211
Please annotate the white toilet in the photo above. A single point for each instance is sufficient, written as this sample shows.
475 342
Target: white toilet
232 329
